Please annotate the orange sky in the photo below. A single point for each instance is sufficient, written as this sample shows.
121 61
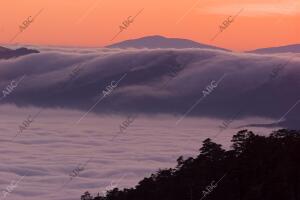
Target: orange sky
262 23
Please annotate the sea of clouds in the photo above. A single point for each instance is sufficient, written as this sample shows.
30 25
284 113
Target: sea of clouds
260 88
143 90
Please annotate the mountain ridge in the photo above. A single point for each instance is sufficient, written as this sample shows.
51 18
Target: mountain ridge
6 53
157 41
291 48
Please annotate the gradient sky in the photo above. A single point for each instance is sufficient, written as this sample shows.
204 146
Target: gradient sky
262 23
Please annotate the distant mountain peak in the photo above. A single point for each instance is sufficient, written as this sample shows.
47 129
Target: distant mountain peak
293 48
3 49
158 41
6 53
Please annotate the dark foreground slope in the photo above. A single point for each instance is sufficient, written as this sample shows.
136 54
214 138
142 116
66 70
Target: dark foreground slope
256 168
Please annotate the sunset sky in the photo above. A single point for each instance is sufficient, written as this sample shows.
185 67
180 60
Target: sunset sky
93 23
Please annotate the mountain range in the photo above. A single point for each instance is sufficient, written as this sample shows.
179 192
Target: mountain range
159 42
155 42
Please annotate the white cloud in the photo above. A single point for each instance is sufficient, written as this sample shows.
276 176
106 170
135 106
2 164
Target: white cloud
251 9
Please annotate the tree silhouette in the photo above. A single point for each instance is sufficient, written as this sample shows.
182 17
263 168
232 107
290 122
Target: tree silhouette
86 196
255 168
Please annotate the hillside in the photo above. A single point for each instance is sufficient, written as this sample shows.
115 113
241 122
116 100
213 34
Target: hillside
257 167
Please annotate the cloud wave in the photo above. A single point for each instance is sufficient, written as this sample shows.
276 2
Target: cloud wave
157 81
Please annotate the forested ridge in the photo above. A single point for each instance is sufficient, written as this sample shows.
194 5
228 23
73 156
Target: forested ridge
255 168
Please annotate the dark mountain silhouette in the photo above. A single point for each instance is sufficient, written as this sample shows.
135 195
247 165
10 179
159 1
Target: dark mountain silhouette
6 53
154 42
294 48
255 168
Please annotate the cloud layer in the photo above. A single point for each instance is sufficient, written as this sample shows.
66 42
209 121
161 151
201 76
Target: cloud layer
53 146
65 83
156 81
